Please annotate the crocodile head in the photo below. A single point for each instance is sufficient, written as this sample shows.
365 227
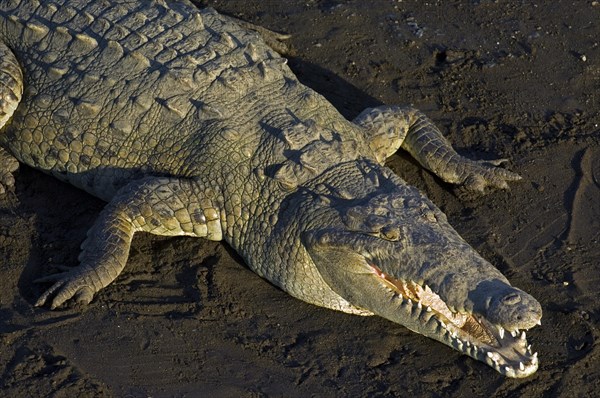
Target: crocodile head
392 252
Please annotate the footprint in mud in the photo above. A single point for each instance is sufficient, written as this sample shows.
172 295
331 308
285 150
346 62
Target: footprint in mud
579 368
584 224
36 370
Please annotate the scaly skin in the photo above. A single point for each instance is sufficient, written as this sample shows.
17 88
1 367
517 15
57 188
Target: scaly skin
186 123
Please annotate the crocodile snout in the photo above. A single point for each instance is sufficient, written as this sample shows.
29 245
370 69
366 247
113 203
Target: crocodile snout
515 310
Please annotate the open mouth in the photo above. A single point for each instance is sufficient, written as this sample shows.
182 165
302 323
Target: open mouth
505 350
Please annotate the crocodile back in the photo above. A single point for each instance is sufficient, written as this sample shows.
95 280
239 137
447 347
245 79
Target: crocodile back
119 89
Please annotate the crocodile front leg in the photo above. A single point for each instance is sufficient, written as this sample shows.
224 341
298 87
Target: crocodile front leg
162 206
392 127
11 90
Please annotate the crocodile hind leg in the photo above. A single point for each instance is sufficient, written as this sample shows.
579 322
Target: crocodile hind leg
392 127
161 206
11 90
275 40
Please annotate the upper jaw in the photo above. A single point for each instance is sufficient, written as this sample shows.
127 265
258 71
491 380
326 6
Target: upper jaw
424 311
481 327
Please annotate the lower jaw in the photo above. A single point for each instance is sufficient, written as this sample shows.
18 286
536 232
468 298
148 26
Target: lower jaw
422 320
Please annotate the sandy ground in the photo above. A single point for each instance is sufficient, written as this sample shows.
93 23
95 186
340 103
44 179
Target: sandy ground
187 318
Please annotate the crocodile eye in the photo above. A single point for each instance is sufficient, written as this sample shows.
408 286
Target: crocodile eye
390 233
511 299
375 222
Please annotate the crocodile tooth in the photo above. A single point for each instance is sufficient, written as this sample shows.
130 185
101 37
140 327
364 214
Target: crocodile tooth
428 309
460 345
529 348
534 356
419 305
539 322
521 366
501 331
489 354
507 369
523 336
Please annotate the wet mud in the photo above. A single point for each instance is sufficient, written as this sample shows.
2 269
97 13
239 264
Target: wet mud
187 318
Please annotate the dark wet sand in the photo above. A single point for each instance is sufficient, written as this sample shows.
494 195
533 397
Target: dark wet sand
187 318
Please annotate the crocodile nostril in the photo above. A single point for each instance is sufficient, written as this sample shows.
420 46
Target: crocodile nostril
512 299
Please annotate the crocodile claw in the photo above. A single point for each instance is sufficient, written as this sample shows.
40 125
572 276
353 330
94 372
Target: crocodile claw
67 285
479 174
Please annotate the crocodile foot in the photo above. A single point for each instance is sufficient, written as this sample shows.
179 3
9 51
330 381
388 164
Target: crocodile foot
8 165
479 174
68 284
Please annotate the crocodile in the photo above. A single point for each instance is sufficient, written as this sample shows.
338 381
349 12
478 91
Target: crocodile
187 123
